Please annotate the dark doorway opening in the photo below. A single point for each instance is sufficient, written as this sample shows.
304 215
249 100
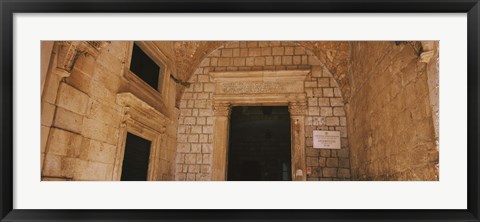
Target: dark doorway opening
259 144
136 159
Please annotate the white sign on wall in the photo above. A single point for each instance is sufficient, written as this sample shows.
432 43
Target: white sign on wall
326 139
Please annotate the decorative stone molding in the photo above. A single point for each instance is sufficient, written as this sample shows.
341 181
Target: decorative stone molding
69 51
297 108
222 109
135 110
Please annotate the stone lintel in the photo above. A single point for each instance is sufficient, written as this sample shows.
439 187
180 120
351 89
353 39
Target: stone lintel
137 110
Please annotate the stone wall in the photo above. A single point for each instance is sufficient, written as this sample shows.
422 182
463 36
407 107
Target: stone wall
391 129
325 107
81 120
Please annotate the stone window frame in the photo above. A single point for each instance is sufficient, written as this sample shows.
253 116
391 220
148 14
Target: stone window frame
144 121
293 96
155 97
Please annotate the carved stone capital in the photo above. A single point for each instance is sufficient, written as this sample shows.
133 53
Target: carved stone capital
221 109
297 109
69 51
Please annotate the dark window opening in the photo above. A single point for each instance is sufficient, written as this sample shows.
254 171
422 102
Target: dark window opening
144 67
259 144
136 159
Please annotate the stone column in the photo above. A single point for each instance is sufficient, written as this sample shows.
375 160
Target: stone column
220 140
297 117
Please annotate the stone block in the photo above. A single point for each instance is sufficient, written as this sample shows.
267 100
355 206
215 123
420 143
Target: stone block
278 51
186 112
109 114
193 138
328 92
343 153
317 92
299 51
92 171
259 61
196 148
194 168
190 158
251 44
203 138
205 169
289 50
329 172
323 102
200 103
180 158
189 120
99 152
199 158
201 120
277 60
196 129
344 162
332 162
224 61
206 158
202 177
326 111
63 143
180 176
324 153
236 52
343 173
332 121
227 52
254 52
244 52
53 166
72 99
203 78
207 148
68 120
47 113
97 130
312 102
209 87
312 161
313 111
45 131
322 161
287 60
207 129
338 111
239 61
198 87
310 84
336 102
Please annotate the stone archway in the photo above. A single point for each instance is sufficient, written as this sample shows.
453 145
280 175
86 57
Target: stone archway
284 87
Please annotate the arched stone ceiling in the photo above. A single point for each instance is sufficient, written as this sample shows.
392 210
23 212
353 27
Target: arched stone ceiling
333 54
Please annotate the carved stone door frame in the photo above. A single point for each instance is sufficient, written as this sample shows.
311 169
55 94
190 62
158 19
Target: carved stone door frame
259 88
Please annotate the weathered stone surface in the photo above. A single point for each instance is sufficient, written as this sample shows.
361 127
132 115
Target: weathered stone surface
399 117
72 99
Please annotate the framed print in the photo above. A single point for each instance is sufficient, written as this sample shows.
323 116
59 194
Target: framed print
264 111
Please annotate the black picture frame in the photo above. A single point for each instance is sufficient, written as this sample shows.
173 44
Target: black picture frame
9 7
